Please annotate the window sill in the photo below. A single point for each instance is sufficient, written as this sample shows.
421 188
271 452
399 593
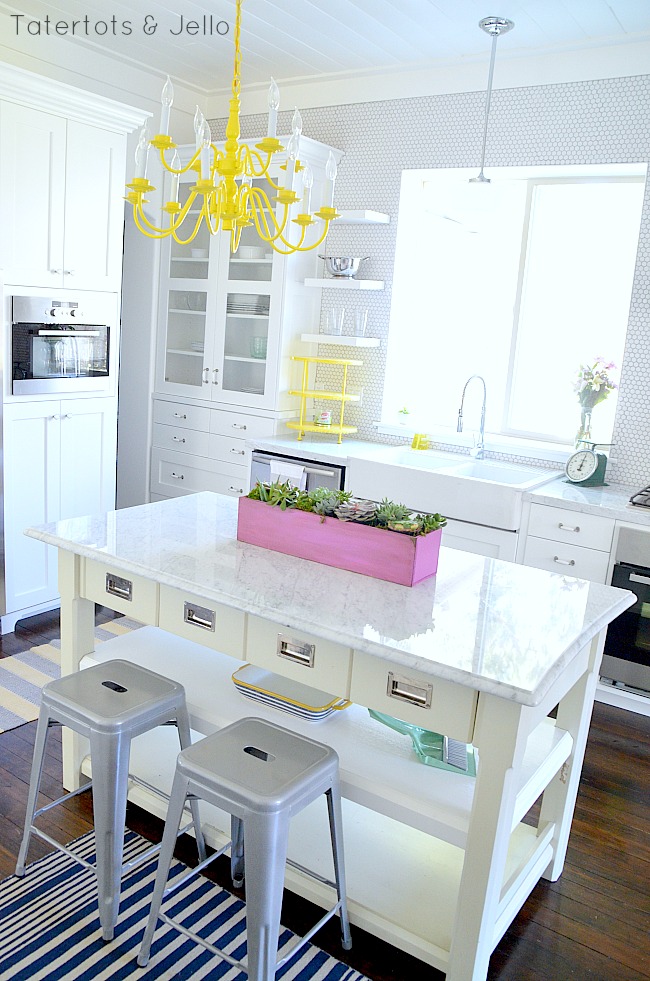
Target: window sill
531 449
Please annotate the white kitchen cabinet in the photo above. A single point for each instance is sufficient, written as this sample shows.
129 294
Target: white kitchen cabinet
199 448
61 190
480 540
570 542
59 462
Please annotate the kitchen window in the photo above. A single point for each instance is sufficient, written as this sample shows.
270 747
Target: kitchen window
520 281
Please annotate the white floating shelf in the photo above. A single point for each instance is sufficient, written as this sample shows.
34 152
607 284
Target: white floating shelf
347 340
362 218
346 284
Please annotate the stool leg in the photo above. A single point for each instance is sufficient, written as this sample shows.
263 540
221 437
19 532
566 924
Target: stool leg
34 783
266 856
172 824
185 739
109 755
336 833
236 851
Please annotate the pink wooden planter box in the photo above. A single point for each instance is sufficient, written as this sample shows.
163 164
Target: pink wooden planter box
389 555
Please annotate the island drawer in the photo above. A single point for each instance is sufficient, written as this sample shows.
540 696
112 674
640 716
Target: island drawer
120 591
572 527
205 622
311 660
571 560
413 696
181 414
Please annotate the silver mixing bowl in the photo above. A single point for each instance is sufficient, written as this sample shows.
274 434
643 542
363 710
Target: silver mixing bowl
342 265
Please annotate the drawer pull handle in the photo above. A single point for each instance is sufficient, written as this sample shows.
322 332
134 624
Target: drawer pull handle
178 439
563 561
297 651
178 476
236 490
205 375
564 527
237 425
238 452
406 690
199 616
180 415
116 586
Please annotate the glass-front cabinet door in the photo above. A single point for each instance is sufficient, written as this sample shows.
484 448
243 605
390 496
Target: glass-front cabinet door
186 342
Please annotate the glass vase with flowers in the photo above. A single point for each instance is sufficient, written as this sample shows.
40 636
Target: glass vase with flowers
593 384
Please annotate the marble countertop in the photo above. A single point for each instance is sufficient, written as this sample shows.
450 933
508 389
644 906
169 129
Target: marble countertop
491 625
610 501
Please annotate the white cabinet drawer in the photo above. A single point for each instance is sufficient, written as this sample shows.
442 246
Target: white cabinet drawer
230 449
174 474
132 595
572 527
181 414
183 440
203 621
240 425
570 560
298 655
414 697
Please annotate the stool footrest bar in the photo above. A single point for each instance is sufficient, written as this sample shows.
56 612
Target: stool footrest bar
311 873
301 941
62 800
204 943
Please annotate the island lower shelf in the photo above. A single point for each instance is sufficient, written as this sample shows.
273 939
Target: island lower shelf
406 824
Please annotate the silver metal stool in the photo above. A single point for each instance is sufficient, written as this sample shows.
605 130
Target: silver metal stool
262 775
110 704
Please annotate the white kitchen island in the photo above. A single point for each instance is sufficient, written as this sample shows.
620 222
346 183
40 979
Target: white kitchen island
438 863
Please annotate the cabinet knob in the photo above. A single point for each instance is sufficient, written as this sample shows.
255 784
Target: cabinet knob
54 417
68 272
56 271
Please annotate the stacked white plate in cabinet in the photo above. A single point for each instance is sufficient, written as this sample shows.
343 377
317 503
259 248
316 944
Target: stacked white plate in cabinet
287 695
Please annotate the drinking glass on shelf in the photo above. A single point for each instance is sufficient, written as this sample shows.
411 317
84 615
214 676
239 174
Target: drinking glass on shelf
335 319
360 322
258 347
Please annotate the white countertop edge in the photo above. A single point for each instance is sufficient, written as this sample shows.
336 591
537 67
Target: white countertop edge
393 656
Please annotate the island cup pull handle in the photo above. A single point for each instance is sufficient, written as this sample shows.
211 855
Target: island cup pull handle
117 586
563 561
199 616
408 690
298 651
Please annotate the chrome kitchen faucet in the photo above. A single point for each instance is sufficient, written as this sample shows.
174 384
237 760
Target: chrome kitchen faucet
477 451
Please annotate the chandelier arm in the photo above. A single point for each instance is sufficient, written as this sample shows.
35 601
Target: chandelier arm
145 226
195 231
251 159
183 170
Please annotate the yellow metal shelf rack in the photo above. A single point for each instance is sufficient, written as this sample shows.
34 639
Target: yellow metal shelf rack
342 396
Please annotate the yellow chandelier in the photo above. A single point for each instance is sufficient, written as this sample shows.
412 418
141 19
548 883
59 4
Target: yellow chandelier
228 199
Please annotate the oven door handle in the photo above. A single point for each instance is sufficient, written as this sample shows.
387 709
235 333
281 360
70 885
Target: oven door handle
320 473
635 577
67 333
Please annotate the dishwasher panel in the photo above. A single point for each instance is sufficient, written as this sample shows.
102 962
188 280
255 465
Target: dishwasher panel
308 473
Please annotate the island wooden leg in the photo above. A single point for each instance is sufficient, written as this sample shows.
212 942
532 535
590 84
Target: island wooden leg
501 745
558 803
77 640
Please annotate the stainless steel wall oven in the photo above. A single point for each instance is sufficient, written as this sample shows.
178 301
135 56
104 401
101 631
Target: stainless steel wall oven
61 346
626 659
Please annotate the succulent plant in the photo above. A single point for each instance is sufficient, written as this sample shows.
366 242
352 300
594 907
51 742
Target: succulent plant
389 511
357 510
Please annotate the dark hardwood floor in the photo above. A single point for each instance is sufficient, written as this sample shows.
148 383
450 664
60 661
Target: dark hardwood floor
590 925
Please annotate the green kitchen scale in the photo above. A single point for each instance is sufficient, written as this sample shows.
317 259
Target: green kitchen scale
586 467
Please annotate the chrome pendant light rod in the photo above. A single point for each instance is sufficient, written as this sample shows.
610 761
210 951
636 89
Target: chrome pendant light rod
494 26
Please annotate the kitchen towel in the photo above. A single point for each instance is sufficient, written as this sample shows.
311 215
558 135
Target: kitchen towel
49 927
23 675
281 472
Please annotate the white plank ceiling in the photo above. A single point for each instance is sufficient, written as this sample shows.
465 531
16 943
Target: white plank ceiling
303 39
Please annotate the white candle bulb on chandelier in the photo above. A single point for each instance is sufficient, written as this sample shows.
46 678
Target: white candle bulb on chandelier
330 173
167 100
198 127
205 150
173 190
307 184
274 105
142 154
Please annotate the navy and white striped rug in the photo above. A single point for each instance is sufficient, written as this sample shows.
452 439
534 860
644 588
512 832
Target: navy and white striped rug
49 928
